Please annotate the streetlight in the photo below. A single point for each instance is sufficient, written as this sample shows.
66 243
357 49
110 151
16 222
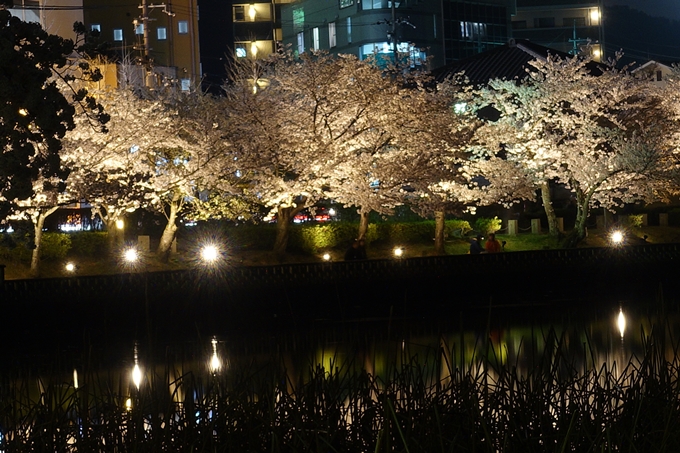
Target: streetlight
210 253
130 255
398 252
616 237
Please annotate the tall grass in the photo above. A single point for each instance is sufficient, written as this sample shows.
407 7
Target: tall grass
423 400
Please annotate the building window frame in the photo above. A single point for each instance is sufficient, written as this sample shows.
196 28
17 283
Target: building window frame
316 41
301 42
117 34
162 33
332 35
183 27
349 30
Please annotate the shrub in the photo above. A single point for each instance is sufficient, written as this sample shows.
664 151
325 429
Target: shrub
634 220
54 245
485 225
87 243
457 228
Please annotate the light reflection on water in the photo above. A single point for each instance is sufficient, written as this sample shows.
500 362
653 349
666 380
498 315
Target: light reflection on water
510 338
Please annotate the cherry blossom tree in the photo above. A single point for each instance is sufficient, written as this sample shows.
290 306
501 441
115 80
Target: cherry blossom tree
591 133
191 163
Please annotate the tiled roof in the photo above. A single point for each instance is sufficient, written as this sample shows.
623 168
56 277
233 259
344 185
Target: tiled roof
509 62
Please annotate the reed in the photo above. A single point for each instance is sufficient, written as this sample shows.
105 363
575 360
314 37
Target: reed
423 400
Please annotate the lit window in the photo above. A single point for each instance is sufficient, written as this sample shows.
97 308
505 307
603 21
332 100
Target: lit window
186 84
241 51
301 42
315 34
117 34
139 29
183 27
331 34
349 29
162 33
96 27
346 3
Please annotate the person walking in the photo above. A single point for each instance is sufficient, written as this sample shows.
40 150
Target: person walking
476 245
492 245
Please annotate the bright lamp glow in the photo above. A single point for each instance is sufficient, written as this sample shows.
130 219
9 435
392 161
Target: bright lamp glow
215 362
616 237
70 267
252 12
120 224
137 376
621 322
595 15
326 256
130 255
210 253
398 252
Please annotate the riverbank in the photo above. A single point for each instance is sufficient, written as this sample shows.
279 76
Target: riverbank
186 259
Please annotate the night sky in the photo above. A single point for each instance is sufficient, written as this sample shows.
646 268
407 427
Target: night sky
657 8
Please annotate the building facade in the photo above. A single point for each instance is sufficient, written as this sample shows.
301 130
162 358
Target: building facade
160 39
432 32
54 16
571 26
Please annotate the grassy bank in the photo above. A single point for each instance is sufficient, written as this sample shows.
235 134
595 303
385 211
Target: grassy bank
18 268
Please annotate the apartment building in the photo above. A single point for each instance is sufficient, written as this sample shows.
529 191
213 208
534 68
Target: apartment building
571 26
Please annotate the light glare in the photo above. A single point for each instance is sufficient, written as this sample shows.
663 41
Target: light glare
617 237
209 253
130 255
621 322
137 376
398 252
70 267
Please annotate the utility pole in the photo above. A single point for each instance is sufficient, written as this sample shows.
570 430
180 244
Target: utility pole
576 41
146 49
392 33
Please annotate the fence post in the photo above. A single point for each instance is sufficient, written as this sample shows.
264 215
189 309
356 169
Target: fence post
535 226
663 219
512 227
560 224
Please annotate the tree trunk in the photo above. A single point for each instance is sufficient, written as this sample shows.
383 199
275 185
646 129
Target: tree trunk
283 218
115 235
439 227
579 232
37 239
363 223
549 209
170 230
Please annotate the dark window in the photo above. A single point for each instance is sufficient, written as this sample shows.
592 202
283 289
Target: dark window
544 22
519 24
239 13
659 77
574 21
